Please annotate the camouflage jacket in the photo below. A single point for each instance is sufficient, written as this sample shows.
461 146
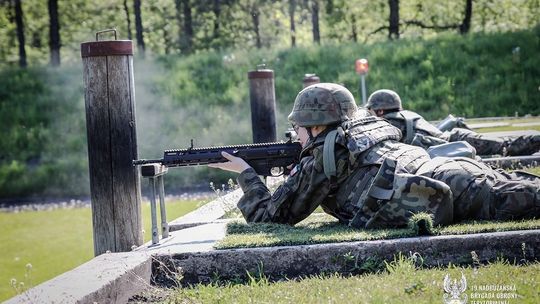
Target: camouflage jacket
419 132
375 186
411 124
304 190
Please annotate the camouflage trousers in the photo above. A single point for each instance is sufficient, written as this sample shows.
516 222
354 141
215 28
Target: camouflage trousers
484 145
490 145
523 145
481 193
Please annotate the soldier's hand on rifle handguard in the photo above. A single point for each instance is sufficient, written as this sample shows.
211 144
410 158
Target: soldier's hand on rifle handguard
235 164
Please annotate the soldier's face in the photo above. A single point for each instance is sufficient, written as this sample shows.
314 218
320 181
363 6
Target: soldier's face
378 113
303 135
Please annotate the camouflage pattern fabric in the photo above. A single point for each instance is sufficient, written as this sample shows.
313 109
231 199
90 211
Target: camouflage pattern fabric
384 100
365 132
482 193
425 137
385 184
426 141
322 104
523 145
420 125
484 145
302 192
394 196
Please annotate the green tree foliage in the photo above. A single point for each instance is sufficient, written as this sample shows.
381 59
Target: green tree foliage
42 132
228 24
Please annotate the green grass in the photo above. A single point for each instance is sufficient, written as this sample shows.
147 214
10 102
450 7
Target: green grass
55 241
507 128
399 282
322 228
534 170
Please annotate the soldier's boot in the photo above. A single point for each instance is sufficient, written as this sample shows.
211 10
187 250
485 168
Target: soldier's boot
484 145
523 145
516 200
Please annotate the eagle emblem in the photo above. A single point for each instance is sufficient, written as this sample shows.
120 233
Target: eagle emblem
454 290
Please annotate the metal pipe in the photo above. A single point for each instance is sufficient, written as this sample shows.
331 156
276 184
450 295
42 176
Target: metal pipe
162 210
155 233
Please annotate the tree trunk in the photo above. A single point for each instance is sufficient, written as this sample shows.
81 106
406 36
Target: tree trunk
217 12
54 33
126 9
292 8
178 7
20 33
354 34
466 23
315 21
256 23
393 29
139 26
166 40
186 42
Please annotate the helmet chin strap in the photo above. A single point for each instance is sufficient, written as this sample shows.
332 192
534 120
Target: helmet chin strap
310 134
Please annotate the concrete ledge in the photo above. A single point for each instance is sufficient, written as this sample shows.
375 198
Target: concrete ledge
108 278
116 277
214 210
208 213
294 261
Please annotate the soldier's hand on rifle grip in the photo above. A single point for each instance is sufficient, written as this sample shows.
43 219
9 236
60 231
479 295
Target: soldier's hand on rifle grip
235 164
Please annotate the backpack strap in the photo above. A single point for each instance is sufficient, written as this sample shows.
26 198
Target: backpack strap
329 158
409 117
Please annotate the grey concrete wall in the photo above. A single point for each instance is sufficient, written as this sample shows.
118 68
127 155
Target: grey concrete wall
294 261
108 278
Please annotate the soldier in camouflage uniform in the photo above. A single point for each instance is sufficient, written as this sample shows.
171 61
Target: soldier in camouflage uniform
354 167
417 131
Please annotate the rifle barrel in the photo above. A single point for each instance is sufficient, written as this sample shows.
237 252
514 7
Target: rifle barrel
138 162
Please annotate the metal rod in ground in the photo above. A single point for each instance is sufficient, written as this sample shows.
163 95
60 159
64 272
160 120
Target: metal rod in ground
363 83
162 210
155 235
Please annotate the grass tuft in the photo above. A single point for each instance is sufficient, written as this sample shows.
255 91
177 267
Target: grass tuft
421 223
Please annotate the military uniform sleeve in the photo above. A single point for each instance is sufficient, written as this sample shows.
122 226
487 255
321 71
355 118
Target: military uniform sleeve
292 202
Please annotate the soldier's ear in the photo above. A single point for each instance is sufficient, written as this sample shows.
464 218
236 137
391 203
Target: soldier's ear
316 130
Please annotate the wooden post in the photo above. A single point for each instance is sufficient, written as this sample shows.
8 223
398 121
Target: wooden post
263 105
112 145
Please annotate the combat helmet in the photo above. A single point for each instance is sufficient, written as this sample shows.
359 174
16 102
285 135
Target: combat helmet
322 104
384 100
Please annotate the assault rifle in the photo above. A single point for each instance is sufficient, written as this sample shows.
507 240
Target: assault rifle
268 159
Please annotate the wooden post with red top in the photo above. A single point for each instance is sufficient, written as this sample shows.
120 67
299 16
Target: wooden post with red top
112 144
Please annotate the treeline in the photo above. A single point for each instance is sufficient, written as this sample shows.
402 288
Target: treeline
40 32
